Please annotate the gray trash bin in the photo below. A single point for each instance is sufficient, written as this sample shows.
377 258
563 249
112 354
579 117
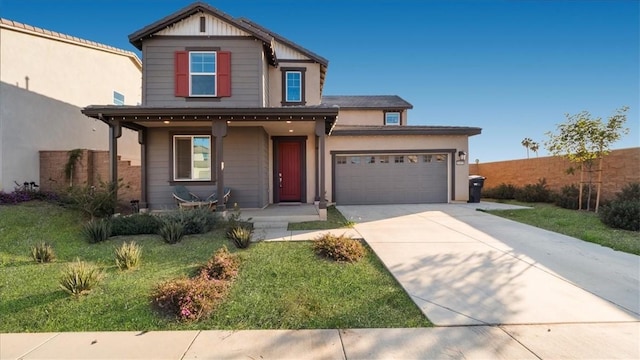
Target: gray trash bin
476 182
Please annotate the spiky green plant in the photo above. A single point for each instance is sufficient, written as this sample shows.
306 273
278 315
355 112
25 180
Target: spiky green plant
241 236
97 230
42 253
80 278
171 231
128 256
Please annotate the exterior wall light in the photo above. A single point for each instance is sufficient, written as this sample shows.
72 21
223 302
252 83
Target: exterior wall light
462 157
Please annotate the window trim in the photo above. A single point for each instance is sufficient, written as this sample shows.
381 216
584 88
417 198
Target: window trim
285 71
214 74
173 162
386 112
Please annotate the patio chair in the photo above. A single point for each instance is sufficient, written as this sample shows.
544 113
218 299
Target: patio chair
184 196
214 197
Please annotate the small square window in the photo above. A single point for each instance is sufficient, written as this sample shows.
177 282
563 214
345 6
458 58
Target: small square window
399 159
427 158
384 159
441 157
341 160
118 98
392 118
355 160
413 159
371 159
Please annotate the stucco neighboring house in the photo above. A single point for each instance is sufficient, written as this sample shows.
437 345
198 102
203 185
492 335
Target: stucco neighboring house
45 79
251 102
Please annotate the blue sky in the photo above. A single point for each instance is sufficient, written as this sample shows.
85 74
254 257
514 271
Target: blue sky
513 68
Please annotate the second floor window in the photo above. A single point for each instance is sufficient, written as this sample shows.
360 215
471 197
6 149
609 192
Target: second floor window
293 86
118 99
392 118
202 73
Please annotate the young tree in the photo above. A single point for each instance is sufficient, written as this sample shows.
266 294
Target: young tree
583 140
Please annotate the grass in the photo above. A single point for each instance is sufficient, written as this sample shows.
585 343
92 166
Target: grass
335 220
272 291
579 224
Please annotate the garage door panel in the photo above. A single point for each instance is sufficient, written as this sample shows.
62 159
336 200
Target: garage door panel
405 179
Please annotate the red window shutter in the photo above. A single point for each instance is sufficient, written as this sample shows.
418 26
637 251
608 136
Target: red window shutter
224 73
182 73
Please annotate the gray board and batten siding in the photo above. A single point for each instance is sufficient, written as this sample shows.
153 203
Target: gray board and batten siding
247 71
246 172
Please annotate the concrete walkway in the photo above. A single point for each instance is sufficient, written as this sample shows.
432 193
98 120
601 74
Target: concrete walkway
496 289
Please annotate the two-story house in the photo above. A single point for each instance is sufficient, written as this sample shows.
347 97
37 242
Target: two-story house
45 79
228 103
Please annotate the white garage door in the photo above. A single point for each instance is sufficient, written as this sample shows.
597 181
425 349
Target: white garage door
391 179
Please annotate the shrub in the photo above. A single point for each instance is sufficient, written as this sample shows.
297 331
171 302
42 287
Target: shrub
97 230
189 299
79 278
194 221
568 197
241 236
135 224
624 211
42 253
222 266
128 256
501 192
235 220
20 196
338 248
171 231
94 202
534 192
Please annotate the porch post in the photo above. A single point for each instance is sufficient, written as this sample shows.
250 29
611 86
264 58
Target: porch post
142 140
219 131
115 131
320 132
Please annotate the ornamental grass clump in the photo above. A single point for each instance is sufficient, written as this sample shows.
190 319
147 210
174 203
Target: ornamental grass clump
79 278
42 253
97 230
189 299
222 266
241 235
171 231
128 256
341 248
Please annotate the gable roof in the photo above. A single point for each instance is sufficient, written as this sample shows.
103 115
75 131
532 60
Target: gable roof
372 130
53 35
148 31
367 102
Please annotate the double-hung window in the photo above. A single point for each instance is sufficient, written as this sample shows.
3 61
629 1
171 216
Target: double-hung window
118 98
202 73
191 157
293 86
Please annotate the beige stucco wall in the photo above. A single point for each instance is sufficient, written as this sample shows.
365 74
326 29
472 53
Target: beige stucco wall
63 78
311 85
412 142
374 117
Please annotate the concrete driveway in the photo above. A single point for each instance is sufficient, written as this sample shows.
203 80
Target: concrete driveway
466 267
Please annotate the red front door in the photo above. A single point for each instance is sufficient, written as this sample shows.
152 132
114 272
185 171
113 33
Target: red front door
289 179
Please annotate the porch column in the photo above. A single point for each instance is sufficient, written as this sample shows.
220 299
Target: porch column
115 131
219 131
320 132
142 140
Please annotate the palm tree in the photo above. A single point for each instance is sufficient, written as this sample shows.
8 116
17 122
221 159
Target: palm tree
534 147
526 142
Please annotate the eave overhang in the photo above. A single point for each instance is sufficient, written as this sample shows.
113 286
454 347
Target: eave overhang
405 130
131 116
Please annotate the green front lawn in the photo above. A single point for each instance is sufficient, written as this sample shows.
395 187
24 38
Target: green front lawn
579 224
335 220
272 291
